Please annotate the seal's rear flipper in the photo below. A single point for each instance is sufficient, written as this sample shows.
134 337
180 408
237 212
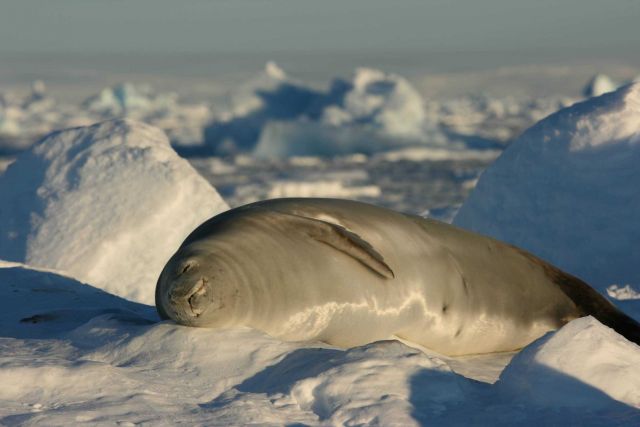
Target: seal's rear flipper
343 240
588 301
591 302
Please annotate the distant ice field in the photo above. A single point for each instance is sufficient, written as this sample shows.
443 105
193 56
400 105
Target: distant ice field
413 185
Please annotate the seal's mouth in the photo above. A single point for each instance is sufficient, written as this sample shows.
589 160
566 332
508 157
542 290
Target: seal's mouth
197 297
195 301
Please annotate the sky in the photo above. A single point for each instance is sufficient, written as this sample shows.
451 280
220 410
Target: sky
79 46
208 26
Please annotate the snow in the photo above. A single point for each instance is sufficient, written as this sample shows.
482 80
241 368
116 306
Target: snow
327 188
26 118
583 352
420 154
99 209
385 101
182 121
4 163
93 200
275 116
568 190
625 292
599 85
270 96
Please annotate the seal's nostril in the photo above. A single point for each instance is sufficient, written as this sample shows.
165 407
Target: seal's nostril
198 298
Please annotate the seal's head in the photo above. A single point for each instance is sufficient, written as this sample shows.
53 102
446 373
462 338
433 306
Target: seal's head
195 289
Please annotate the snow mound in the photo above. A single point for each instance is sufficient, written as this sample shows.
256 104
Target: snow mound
108 203
575 366
599 85
622 292
568 190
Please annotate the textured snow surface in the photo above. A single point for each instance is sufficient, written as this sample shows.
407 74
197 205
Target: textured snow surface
568 190
108 203
72 354
581 351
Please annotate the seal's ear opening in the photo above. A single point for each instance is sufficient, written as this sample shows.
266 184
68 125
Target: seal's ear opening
186 266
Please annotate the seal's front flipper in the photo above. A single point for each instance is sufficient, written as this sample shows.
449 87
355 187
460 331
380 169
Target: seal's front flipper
343 240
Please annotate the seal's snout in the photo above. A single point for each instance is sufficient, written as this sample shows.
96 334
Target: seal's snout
196 299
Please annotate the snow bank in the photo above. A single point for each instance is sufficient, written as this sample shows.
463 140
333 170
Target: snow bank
568 190
575 367
108 203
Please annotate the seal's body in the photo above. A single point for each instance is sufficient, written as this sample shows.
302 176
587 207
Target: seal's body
349 273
